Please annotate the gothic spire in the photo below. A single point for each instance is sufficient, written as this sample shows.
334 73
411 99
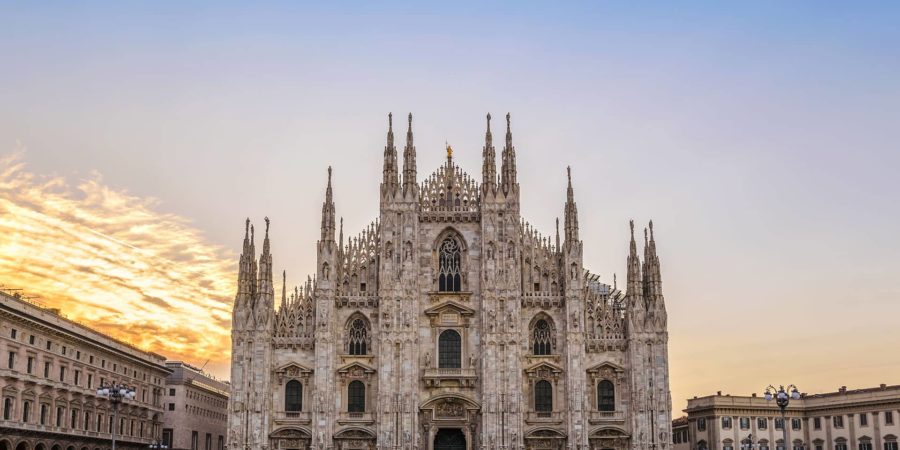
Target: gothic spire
246 272
266 298
633 279
389 182
652 275
328 212
571 212
283 287
508 168
557 234
489 167
409 161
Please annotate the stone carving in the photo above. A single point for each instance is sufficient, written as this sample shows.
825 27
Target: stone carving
449 408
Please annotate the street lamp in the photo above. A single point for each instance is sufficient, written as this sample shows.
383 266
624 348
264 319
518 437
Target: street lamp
782 399
157 444
116 393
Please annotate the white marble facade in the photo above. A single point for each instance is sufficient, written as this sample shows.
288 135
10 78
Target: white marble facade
449 323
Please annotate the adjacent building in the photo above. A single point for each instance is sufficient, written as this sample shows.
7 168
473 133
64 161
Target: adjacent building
860 419
49 375
450 323
196 405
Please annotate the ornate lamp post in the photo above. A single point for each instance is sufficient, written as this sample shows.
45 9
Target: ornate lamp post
782 399
116 393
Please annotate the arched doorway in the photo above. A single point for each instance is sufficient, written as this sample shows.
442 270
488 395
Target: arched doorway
23 445
449 439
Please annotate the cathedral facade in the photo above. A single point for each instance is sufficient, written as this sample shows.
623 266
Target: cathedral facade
449 323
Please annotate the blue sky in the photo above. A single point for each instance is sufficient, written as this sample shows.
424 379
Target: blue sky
761 138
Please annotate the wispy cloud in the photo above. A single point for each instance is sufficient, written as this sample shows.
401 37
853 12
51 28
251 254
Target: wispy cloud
113 261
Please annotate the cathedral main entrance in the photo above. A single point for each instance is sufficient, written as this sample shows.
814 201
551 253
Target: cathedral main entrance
449 439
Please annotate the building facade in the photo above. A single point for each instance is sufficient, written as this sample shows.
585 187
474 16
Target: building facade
196 409
51 370
862 419
449 323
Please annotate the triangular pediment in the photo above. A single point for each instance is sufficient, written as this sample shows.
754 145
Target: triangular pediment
607 366
293 367
356 367
450 307
544 366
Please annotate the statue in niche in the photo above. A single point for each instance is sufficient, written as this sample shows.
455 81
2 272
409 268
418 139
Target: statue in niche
427 360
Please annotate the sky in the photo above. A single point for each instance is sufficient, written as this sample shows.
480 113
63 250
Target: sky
761 138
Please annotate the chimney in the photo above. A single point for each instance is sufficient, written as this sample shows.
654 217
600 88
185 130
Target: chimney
843 389
718 392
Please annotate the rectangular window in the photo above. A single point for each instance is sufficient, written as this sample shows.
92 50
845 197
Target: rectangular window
63 349
779 423
74 418
62 374
701 424
171 392
77 377
865 445
87 420
209 442
47 369
819 447
30 364
891 445
99 422
889 417
91 359
13 333
795 424
31 339
12 360
745 423
49 344
194 440
864 419
103 363
171 407
44 414
817 423
78 355
839 423
90 381
726 422
762 423
221 445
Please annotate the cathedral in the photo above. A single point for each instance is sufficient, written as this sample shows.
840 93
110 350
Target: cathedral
450 323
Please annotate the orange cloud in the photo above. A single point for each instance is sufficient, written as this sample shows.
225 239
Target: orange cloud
112 261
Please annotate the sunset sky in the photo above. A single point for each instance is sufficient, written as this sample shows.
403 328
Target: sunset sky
762 139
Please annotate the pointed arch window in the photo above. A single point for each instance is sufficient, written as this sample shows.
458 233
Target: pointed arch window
358 335
606 396
449 277
542 338
356 397
293 396
449 350
543 397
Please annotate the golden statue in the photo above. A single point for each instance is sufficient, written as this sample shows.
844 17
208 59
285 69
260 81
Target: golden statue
449 151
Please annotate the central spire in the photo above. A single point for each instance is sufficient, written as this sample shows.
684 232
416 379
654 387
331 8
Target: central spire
571 212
